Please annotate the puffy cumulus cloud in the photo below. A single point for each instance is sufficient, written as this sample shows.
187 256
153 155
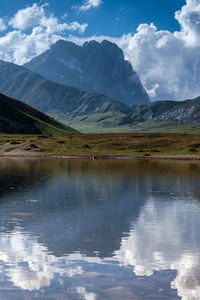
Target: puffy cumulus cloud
88 4
34 16
168 63
3 27
28 17
18 46
189 19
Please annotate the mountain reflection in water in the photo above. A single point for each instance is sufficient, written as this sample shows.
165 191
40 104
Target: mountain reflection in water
73 229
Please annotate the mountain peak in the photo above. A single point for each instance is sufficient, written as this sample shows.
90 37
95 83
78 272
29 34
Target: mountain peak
96 66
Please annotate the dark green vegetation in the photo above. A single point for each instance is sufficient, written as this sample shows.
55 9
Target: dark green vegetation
18 117
129 144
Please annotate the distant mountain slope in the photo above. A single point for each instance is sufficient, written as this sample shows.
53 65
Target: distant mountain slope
182 112
160 116
96 67
45 95
18 117
91 112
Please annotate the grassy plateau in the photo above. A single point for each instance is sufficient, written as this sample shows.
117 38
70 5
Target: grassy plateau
123 144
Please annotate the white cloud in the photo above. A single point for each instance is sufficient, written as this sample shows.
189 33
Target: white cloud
88 4
2 25
168 63
18 46
28 17
35 16
51 24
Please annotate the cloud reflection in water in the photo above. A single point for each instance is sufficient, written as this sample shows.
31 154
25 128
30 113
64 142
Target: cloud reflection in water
166 237
145 221
157 241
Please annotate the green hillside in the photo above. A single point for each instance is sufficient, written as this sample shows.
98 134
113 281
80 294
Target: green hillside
18 117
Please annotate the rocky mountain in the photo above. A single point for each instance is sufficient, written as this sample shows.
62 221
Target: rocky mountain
92 112
96 67
182 112
47 96
18 117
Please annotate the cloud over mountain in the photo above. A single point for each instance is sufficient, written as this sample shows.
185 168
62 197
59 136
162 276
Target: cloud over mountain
32 31
168 63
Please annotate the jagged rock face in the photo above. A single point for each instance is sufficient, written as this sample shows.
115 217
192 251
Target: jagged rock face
96 67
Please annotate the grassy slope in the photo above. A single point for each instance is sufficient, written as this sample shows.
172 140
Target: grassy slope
107 122
22 114
111 123
165 127
188 111
132 144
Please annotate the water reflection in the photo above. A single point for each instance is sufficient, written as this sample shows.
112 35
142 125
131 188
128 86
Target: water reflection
166 237
99 230
28 264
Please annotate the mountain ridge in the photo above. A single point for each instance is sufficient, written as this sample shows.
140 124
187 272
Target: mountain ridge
187 111
158 116
96 67
45 95
91 112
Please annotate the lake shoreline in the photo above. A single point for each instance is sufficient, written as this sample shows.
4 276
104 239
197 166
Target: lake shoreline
135 146
39 155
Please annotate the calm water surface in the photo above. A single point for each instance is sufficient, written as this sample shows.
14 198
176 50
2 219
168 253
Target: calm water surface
73 229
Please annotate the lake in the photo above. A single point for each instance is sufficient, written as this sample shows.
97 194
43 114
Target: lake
83 229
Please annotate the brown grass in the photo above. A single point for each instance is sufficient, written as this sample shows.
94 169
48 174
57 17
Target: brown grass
128 144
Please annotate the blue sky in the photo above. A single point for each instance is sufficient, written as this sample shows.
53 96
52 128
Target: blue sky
112 17
161 38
